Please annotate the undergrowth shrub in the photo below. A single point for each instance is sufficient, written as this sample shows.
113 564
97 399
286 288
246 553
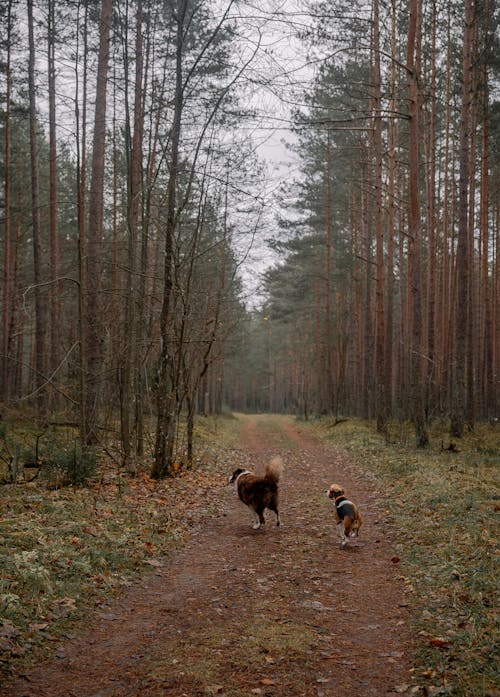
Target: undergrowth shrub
71 466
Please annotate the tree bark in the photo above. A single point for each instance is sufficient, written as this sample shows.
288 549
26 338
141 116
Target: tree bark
53 210
432 224
418 374
40 312
93 325
463 268
7 297
486 284
81 186
381 406
391 220
330 386
131 370
165 430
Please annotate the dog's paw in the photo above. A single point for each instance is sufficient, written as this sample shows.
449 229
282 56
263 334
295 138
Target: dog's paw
256 526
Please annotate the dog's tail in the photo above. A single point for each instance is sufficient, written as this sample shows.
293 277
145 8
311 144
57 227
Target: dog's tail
274 469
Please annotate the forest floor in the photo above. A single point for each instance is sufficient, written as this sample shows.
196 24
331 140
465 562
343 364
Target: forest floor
238 612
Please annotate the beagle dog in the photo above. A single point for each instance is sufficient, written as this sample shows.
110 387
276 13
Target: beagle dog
346 513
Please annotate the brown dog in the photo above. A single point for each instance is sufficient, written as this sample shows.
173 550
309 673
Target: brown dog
259 493
346 513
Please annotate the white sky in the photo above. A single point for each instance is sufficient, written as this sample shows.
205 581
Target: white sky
281 68
272 80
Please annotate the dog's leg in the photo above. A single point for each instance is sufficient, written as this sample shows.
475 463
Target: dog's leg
256 525
260 519
273 507
343 538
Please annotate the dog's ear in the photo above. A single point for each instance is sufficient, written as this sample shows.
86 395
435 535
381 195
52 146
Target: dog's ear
235 474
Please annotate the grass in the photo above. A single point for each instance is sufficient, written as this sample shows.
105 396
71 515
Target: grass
445 504
65 551
251 651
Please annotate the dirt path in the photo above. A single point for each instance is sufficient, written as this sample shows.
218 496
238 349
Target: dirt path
237 612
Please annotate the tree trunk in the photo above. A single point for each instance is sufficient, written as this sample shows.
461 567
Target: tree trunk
432 224
330 387
486 343
381 406
367 306
131 370
40 312
418 374
53 210
7 297
463 268
162 465
391 221
445 318
81 186
93 324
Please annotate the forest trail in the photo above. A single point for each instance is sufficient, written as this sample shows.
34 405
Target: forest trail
238 612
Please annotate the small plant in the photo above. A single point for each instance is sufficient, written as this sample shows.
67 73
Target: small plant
71 466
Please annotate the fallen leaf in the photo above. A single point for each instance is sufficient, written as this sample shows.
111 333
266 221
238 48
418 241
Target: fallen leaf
440 642
8 630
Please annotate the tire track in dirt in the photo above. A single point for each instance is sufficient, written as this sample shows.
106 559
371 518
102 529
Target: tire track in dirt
238 612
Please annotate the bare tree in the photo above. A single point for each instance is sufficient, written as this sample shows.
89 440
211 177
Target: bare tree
164 436
130 372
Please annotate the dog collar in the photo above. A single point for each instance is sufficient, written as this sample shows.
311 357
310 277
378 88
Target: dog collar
241 475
